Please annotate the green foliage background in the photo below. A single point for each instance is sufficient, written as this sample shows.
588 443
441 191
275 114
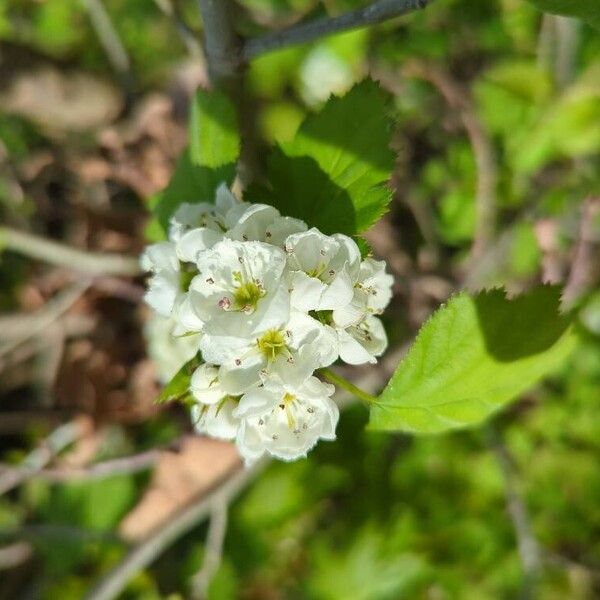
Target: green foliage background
374 515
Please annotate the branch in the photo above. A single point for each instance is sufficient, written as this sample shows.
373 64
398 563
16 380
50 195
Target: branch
585 269
108 37
225 69
529 549
223 491
19 328
217 528
222 43
14 555
459 99
92 263
108 468
377 12
36 460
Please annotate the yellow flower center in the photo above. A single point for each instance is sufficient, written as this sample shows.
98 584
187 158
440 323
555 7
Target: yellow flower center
272 344
246 296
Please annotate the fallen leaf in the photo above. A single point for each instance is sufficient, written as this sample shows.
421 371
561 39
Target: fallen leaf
179 477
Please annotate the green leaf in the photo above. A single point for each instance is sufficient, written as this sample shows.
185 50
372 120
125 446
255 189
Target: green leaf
587 10
190 183
473 356
214 135
178 389
334 173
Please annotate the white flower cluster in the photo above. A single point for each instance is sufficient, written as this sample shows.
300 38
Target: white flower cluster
269 302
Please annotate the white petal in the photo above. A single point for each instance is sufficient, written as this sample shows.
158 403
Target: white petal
160 257
338 293
253 223
195 241
216 420
163 290
309 251
186 315
348 255
306 291
219 346
205 385
282 228
225 200
249 444
239 378
255 403
351 351
351 314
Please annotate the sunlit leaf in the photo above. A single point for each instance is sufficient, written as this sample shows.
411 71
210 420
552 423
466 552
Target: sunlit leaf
178 389
214 134
587 10
473 356
334 173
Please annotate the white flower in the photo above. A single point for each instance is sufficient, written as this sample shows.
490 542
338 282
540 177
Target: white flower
250 222
363 342
372 293
213 412
193 216
164 287
167 351
263 223
292 351
323 270
239 286
193 242
285 420
225 201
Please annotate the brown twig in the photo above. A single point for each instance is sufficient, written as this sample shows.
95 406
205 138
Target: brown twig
217 529
585 270
24 327
92 263
529 549
224 490
14 555
460 100
56 442
119 466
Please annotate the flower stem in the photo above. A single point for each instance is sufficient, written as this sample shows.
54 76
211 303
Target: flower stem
349 387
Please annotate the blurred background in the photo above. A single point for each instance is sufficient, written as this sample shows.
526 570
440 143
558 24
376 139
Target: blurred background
497 181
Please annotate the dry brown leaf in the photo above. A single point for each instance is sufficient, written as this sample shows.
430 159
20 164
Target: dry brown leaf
179 477
62 101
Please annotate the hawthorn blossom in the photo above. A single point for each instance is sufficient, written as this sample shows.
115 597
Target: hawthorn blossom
266 303
322 269
240 284
213 411
164 286
292 351
284 420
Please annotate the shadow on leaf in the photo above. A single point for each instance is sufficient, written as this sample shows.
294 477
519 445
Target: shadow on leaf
520 327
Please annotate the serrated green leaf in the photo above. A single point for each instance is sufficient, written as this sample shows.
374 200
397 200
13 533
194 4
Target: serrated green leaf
178 389
213 130
587 10
334 173
190 183
473 356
